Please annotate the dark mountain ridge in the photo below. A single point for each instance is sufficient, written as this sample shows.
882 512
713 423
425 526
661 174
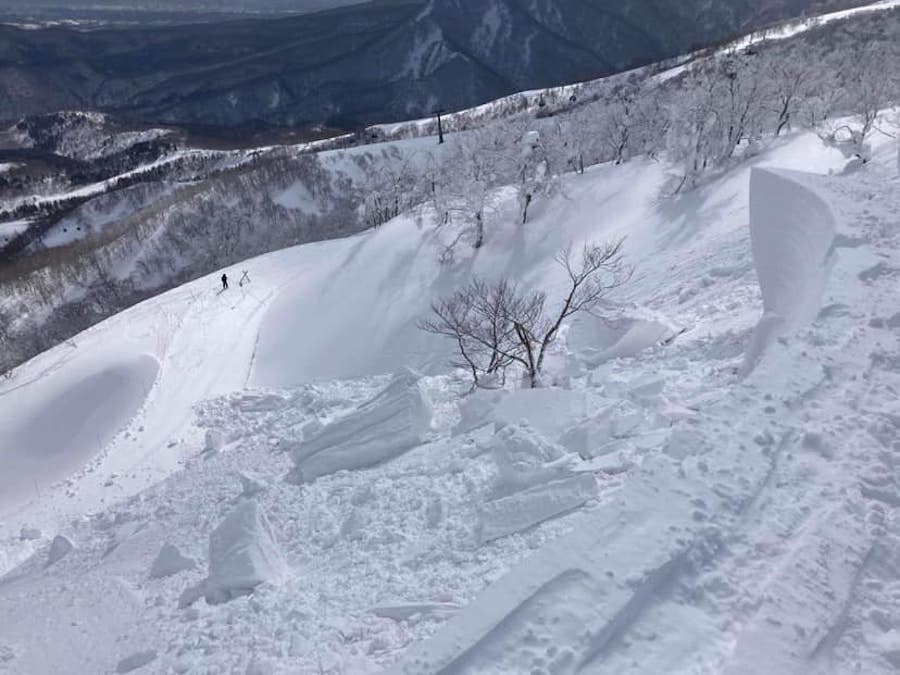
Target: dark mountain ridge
381 61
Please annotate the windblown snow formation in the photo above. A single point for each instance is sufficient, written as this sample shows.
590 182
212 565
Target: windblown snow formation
43 437
791 231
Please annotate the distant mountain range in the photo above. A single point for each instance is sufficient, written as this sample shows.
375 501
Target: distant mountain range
217 6
380 61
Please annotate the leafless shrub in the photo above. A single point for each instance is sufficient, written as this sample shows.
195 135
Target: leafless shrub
495 325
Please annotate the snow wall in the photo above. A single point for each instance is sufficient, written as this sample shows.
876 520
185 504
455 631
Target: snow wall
791 233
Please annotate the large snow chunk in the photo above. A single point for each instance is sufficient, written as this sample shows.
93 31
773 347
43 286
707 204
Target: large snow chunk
523 459
527 508
549 411
389 424
477 410
607 431
243 553
792 230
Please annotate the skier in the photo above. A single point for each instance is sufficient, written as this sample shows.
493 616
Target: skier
224 282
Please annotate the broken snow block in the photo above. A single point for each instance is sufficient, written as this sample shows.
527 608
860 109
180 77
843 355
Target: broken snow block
405 610
646 387
191 594
551 412
394 421
29 534
524 458
260 666
214 441
685 442
525 509
477 410
243 554
60 547
600 434
169 561
135 661
251 484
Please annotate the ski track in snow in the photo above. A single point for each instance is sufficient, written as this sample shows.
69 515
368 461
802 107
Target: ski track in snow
717 524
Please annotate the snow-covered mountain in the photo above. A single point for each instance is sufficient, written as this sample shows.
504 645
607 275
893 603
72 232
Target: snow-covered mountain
97 214
283 465
376 62
198 6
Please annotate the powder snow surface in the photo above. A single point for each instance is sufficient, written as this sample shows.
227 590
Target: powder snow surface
656 508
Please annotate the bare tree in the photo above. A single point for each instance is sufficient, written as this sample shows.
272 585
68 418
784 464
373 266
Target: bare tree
495 325
476 317
599 270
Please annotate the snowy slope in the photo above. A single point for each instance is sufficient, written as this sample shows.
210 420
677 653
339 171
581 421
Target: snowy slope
525 548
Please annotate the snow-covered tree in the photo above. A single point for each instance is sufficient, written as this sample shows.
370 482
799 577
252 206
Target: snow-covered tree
869 87
465 182
535 174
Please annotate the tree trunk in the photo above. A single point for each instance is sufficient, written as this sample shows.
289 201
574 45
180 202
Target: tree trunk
479 231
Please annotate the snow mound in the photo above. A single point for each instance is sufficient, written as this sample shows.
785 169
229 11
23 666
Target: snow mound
394 421
243 553
792 230
86 412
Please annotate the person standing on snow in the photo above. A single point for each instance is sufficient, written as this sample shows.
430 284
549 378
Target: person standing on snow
224 282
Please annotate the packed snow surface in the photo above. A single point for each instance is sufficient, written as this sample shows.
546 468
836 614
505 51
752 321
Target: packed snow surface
652 509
